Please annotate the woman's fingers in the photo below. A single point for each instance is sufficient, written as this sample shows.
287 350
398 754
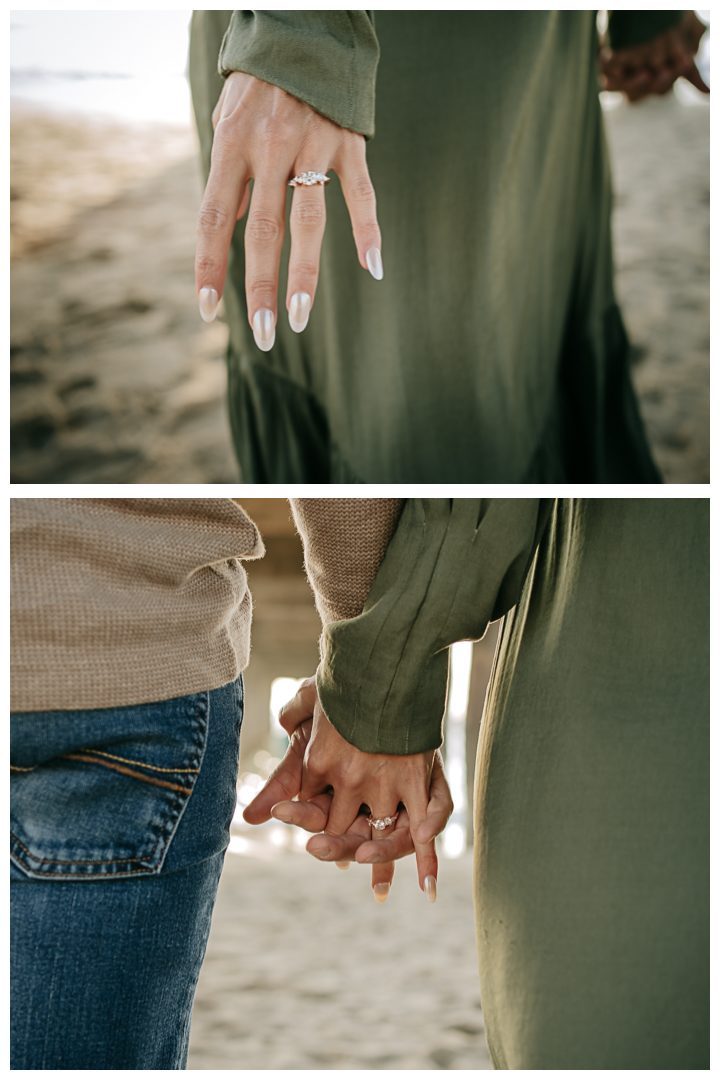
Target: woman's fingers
226 186
425 855
381 880
264 233
360 199
440 805
426 822
383 872
307 225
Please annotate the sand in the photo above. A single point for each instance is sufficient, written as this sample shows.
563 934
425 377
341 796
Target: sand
304 970
115 379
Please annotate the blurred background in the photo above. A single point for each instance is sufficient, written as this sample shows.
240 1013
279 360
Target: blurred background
114 378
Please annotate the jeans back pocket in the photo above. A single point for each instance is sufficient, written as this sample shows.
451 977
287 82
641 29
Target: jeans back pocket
99 793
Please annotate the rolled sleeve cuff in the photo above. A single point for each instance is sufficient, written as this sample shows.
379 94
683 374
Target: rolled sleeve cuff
328 59
452 567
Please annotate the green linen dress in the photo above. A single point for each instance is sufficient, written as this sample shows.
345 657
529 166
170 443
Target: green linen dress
592 781
493 350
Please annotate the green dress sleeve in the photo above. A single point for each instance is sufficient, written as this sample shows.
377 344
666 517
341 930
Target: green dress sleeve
453 566
626 28
328 59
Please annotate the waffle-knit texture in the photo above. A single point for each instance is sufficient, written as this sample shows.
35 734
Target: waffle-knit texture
123 601
345 541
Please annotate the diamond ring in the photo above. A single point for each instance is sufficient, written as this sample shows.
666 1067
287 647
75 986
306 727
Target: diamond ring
382 822
307 179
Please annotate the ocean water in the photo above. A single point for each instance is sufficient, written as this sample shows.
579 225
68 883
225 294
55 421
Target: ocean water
130 65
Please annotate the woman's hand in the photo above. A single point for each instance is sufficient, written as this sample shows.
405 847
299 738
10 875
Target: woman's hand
653 66
264 134
319 759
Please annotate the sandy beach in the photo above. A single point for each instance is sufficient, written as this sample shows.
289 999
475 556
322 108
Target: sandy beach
304 970
115 379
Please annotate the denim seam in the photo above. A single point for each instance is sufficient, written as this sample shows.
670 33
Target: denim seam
131 761
127 772
107 862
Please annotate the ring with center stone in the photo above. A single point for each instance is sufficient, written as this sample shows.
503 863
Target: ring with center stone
307 179
381 822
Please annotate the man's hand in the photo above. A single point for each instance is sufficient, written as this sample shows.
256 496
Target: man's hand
319 761
266 135
653 66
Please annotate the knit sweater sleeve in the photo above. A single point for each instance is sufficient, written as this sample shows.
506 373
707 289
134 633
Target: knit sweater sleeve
344 542
328 59
451 567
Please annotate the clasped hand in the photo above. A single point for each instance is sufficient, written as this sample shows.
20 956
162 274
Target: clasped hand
653 66
325 785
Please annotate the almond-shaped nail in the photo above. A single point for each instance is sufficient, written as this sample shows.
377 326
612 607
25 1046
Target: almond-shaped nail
374 263
208 300
264 329
299 311
430 888
381 892
283 813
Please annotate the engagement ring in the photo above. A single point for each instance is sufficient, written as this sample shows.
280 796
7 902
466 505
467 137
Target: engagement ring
309 178
382 822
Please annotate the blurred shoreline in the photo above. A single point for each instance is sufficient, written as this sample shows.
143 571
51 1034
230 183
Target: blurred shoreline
115 379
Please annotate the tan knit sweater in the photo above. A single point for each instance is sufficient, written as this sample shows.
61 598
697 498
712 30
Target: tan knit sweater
121 601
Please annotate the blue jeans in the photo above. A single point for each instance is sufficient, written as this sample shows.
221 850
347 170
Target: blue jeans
119 823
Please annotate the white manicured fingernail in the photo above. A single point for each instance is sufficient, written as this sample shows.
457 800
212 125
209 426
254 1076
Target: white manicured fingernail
299 311
381 892
209 300
264 329
374 263
430 888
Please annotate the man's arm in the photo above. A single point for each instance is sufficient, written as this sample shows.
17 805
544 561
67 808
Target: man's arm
345 541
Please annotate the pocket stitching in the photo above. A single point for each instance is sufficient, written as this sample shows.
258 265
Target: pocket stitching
129 772
106 862
128 761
